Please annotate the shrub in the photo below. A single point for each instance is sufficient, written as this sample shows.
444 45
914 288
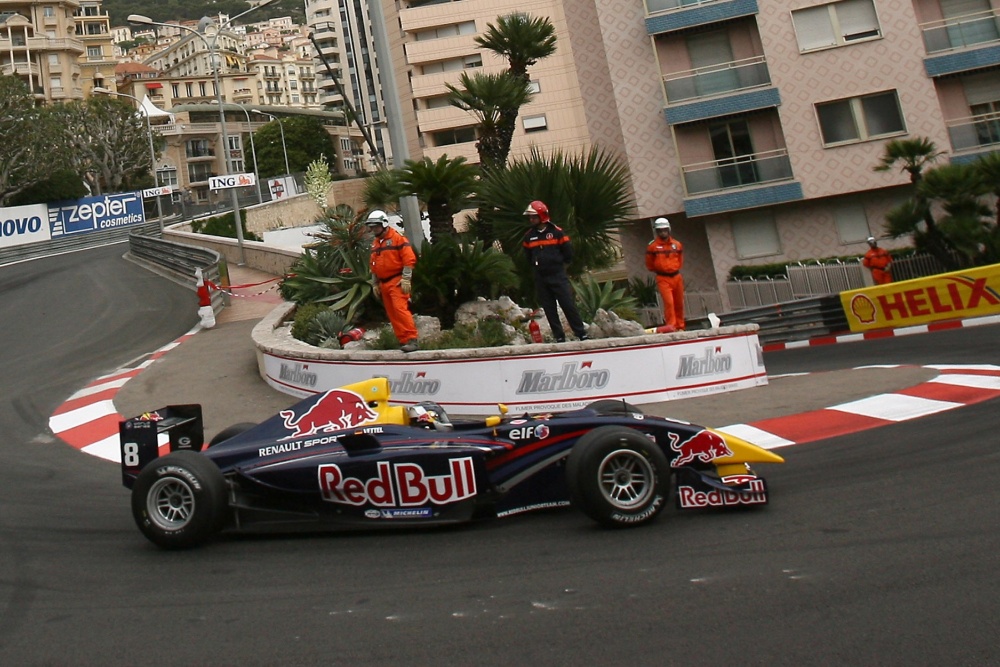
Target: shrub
592 296
484 333
304 316
223 225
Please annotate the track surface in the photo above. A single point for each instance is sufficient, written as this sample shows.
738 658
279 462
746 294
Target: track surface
879 547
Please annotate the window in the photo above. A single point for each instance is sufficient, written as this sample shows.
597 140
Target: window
166 176
464 28
755 235
189 90
201 89
860 118
852 223
456 136
535 123
836 24
199 171
175 90
534 87
455 64
437 102
50 11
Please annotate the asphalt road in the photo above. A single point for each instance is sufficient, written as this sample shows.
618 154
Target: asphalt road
878 548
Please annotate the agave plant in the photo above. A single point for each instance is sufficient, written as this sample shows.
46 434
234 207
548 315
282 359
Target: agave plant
592 296
338 276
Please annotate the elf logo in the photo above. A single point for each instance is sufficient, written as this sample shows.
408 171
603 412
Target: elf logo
528 432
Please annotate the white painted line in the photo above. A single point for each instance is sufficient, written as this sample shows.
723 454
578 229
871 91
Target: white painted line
81 416
98 388
895 407
977 381
757 436
796 343
108 449
965 367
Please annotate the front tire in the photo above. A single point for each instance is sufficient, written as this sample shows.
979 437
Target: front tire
610 406
231 432
618 477
179 501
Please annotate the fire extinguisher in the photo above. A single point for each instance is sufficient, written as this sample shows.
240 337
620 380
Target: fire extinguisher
352 335
534 329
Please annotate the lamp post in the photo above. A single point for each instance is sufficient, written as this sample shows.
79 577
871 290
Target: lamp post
256 172
212 47
152 149
284 150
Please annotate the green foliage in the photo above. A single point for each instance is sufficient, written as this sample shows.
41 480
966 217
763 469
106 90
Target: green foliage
383 190
304 316
335 271
384 339
588 196
521 39
454 271
443 186
485 333
318 181
592 296
643 290
168 10
306 140
489 97
326 329
223 225
62 185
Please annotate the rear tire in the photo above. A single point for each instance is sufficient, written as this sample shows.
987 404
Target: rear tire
231 432
179 501
618 477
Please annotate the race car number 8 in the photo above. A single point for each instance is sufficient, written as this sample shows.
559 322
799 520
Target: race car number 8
130 454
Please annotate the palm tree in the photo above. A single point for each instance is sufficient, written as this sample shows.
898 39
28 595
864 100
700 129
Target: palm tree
588 196
522 40
383 190
960 188
487 97
444 187
913 155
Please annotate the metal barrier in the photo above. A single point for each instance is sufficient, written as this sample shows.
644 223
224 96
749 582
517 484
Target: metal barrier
791 320
178 261
72 243
751 292
818 279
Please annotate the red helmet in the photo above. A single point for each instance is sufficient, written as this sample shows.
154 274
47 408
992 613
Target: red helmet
538 208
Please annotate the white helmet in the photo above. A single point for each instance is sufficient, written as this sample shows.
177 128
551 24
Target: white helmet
379 218
661 223
870 240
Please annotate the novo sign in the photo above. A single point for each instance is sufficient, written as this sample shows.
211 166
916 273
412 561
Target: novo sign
24 224
96 213
231 181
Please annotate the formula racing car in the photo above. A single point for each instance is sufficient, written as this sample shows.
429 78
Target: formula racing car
350 459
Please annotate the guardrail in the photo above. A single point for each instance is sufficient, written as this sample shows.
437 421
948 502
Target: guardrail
72 243
178 262
788 321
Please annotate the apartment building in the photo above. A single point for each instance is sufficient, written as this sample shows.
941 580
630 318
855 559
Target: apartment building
97 62
752 124
344 35
40 43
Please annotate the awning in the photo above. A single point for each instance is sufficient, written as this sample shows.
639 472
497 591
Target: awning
153 85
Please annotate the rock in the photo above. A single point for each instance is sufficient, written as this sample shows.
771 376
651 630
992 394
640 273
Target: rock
427 326
610 325
503 308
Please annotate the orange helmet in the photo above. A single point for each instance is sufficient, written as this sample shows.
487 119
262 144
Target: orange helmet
538 208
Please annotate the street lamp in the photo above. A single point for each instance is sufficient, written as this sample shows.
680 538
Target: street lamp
212 47
152 150
256 172
284 150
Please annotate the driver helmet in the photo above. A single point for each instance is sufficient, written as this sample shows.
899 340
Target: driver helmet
538 208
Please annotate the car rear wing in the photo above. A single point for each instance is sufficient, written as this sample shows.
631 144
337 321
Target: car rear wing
139 437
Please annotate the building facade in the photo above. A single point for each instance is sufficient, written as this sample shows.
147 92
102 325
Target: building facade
753 125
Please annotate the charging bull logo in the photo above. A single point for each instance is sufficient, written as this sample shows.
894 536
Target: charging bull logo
704 446
335 410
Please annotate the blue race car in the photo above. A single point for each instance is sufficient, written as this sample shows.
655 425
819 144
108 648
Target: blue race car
350 459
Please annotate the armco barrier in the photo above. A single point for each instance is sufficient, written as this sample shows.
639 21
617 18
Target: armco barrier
73 242
178 262
788 321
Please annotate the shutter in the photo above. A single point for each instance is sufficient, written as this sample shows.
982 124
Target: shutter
857 19
982 88
813 28
953 8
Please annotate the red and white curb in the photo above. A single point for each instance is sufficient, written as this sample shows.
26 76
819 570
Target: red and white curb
884 333
88 420
955 387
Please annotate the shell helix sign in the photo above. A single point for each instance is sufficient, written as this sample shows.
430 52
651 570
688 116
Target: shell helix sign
947 296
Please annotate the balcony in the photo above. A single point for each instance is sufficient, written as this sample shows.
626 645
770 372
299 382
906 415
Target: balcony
716 80
737 172
975 133
962 44
665 16
738 102
199 153
22 69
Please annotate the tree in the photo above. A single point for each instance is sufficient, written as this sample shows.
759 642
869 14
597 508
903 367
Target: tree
383 190
110 140
588 196
31 137
522 40
488 97
913 156
444 186
306 140
62 184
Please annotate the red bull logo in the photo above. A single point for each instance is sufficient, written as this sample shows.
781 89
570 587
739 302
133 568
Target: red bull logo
705 446
399 485
335 410
689 498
